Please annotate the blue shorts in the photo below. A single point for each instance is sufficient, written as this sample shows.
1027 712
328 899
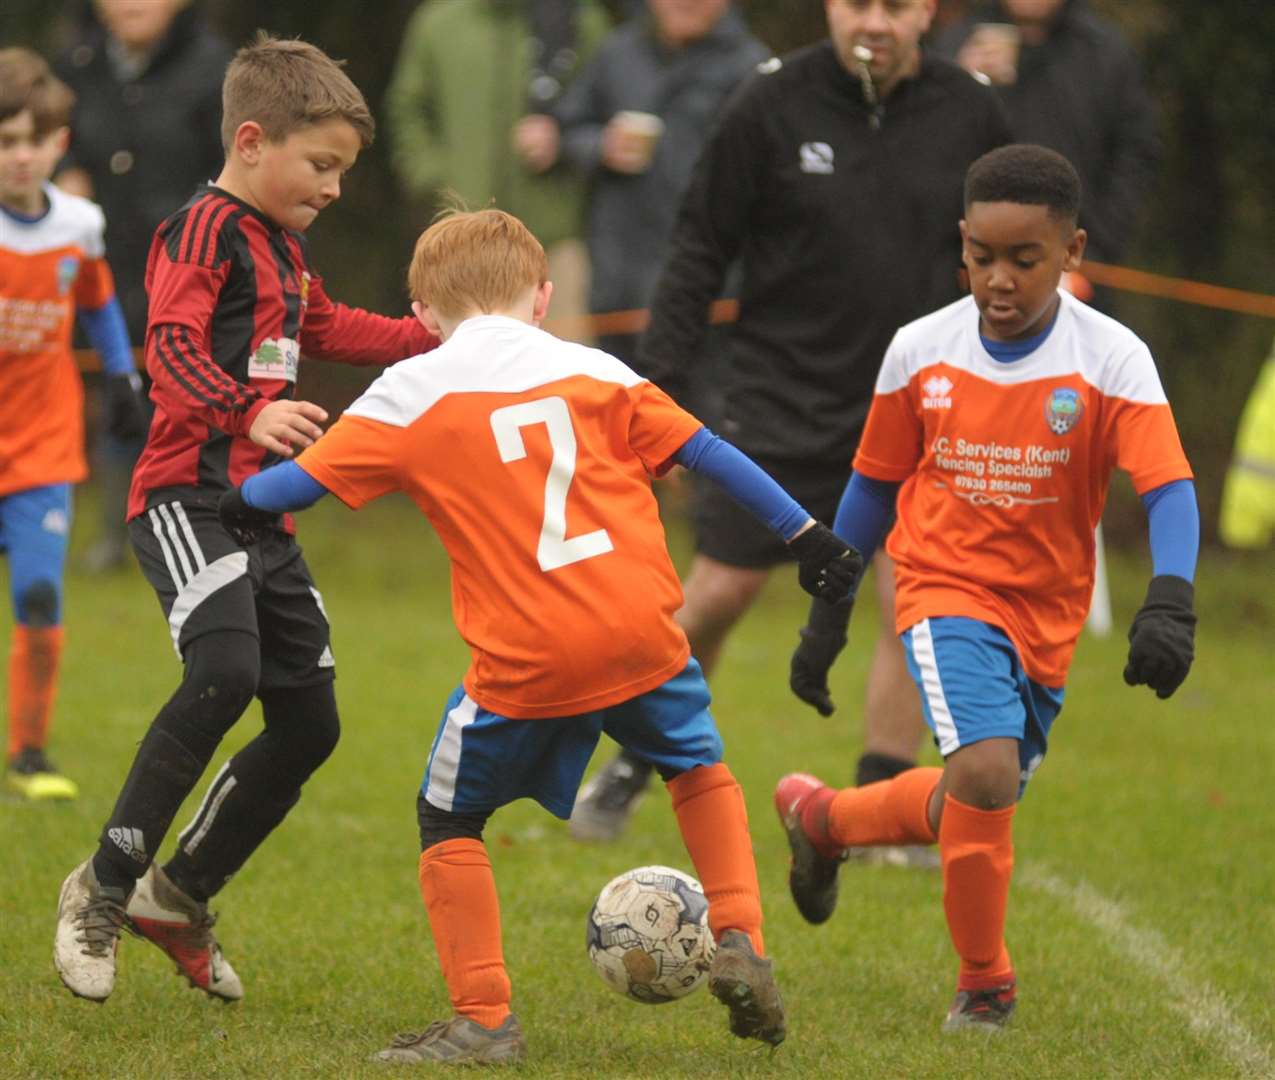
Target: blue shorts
480 760
973 687
35 526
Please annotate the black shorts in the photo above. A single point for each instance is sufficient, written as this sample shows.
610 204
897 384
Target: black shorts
207 581
725 531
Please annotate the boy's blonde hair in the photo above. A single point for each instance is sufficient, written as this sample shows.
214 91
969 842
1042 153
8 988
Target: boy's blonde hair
285 85
480 260
26 83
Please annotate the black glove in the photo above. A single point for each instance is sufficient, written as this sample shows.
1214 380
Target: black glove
1162 637
125 409
822 639
827 567
245 523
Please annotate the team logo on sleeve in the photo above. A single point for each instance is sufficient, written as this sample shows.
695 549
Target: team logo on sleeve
1063 410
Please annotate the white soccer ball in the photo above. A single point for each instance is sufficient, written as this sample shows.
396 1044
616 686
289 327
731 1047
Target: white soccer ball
648 934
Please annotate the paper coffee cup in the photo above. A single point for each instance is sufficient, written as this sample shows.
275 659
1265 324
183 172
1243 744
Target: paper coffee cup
643 128
1006 40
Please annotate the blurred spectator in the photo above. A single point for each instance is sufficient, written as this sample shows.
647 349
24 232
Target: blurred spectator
633 123
468 113
145 132
1070 81
835 179
1248 497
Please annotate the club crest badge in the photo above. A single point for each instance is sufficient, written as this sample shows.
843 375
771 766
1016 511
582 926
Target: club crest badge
1063 409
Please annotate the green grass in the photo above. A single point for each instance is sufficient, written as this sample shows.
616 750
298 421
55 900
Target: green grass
1141 918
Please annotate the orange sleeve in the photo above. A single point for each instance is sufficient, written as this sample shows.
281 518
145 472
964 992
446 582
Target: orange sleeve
891 445
658 428
357 459
1146 444
95 285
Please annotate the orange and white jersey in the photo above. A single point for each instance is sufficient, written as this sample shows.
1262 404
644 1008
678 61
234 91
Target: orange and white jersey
48 268
1005 468
532 459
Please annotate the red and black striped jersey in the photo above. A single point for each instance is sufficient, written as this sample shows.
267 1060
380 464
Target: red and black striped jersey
232 309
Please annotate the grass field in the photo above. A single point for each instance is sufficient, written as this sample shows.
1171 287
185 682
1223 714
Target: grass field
1142 918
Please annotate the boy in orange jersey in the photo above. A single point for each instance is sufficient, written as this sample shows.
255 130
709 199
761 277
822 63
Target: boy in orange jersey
52 269
996 422
532 459
233 305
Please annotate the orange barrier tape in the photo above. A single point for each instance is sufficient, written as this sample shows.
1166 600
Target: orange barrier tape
724 311
1188 292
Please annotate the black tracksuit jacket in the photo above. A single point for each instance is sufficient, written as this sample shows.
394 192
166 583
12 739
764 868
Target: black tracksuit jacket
843 219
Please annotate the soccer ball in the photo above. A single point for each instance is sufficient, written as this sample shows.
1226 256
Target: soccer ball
648 934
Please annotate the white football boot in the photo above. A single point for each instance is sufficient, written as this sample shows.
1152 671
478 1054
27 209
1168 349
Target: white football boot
90 919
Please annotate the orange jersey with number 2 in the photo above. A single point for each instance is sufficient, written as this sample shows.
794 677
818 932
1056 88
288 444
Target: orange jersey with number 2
532 459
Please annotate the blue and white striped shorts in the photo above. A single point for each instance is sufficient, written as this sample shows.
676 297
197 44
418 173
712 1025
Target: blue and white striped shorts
973 687
481 760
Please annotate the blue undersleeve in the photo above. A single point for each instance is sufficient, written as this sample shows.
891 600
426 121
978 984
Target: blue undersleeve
866 513
1173 522
108 334
282 487
743 480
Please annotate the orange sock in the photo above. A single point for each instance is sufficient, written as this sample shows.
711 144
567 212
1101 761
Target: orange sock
459 891
977 849
34 656
710 812
894 811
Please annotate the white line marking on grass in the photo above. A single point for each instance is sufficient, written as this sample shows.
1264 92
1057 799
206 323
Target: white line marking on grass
1205 1007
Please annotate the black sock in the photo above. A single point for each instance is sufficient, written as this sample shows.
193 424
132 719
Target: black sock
874 767
163 774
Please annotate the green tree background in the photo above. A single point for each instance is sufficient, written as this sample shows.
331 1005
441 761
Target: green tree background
1209 218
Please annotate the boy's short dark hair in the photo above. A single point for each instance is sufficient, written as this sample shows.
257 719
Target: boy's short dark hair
26 83
1027 174
285 85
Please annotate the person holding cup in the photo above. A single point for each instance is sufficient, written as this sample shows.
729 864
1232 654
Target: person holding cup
1069 81
633 123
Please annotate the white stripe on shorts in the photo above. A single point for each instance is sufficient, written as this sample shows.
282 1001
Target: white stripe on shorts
444 769
183 522
157 527
932 687
179 549
212 577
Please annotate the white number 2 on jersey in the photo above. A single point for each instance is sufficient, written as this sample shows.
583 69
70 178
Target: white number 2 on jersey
555 549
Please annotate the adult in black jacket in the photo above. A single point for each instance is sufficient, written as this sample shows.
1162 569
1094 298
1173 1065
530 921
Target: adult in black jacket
834 179
145 132
1072 83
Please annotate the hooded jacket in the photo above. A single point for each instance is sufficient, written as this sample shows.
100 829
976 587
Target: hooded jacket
459 85
1080 92
146 138
630 218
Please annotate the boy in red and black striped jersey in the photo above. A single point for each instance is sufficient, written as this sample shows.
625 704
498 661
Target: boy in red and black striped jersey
233 306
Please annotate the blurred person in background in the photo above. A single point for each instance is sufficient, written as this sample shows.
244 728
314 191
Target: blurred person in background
835 180
145 133
633 125
1069 81
53 272
1248 496
468 114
